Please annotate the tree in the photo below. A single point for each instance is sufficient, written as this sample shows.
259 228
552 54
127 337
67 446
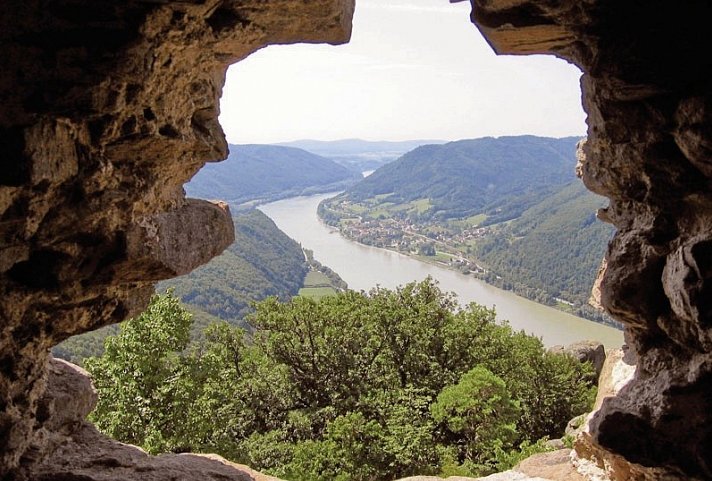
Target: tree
479 409
328 347
356 387
139 377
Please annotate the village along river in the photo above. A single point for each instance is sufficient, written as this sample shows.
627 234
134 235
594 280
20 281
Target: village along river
364 267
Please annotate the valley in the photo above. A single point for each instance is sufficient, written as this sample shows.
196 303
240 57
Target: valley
508 212
524 224
262 262
363 267
268 340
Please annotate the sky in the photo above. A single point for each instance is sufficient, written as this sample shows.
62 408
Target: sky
414 69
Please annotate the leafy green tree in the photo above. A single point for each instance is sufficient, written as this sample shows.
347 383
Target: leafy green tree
478 408
315 461
408 432
413 323
142 398
426 249
239 392
355 387
328 346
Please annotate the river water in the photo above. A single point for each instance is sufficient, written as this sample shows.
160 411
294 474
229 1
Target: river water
364 267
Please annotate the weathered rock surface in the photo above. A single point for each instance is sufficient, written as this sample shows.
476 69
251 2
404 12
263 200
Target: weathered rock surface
68 447
590 458
551 466
647 93
555 465
89 455
63 408
585 351
107 109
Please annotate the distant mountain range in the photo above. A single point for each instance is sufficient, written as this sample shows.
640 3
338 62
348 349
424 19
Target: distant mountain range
262 173
360 155
500 177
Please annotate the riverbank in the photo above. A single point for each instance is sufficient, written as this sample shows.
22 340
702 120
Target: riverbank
455 262
429 243
363 267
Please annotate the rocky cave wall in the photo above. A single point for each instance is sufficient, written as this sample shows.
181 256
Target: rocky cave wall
108 107
647 89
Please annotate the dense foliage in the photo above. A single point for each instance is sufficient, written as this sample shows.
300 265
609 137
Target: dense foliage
268 172
553 250
500 177
138 398
355 387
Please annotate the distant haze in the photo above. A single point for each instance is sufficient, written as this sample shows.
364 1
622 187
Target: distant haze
415 69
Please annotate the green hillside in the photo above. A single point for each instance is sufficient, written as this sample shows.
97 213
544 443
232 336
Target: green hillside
555 247
263 261
259 173
508 210
500 177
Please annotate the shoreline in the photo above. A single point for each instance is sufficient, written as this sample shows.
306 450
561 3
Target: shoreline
443 265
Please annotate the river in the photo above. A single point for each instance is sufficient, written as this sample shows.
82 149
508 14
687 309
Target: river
364 267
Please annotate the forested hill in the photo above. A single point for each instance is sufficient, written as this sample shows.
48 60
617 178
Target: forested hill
507 209
500 177
263 261
553 250
268 172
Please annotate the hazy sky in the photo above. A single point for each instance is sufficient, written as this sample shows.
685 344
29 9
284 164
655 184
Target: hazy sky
414 69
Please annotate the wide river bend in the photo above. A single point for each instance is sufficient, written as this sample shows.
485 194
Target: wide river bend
364 267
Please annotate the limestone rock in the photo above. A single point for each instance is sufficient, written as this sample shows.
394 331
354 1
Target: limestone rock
435 478
510 475
576 425
618 371
67 447
67 401
554 465
173 243
504 476
90 456
551 466
585 351
555 444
